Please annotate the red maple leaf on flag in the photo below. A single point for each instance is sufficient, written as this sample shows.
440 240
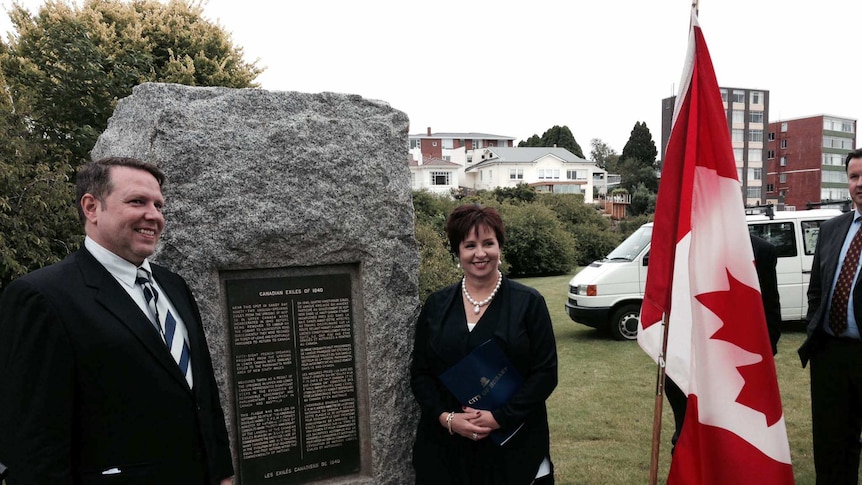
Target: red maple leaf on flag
739 329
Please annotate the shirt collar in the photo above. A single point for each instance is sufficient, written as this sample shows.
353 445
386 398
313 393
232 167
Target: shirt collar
124 271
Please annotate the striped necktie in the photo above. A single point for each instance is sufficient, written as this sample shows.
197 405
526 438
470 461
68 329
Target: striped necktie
167 324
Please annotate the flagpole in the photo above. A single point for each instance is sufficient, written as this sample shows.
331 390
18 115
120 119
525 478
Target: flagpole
659 402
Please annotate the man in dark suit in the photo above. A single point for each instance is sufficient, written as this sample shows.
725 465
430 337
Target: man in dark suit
765 261
833 344
91 392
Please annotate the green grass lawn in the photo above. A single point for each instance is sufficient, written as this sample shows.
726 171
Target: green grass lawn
601 412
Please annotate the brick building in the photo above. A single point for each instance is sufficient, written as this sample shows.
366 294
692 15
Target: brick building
805 160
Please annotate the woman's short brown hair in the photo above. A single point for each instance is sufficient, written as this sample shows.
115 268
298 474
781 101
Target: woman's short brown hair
470 217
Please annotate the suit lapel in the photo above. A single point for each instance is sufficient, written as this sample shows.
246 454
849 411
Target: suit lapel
113 298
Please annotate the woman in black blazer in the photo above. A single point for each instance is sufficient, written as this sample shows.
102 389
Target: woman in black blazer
452 441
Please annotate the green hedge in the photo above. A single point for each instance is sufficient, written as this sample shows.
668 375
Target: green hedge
546 235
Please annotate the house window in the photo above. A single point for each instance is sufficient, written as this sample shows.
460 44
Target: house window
737 116
477 144
737 134
516 174
441 178
783 143
830 124
783 162
576 174
549 173
737 154
771 136
784 127
448 143
755 135
770 188
753 192
756 97
414 143
738 96
782 178
433 143
834 176
833 159
755 174
755 116
838 142
755 155
770 154
723 95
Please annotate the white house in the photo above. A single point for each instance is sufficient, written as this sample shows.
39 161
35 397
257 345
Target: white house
547 169
435 175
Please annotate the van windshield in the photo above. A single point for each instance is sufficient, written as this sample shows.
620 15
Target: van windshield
632 246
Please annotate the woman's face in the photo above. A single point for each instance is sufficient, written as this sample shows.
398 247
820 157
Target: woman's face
479 253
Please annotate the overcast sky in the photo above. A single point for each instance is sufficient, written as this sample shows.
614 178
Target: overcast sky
517 68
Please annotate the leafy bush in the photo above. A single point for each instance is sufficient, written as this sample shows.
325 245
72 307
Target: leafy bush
629 225
432 209
643 201
538 244
573 212
594 243
437 267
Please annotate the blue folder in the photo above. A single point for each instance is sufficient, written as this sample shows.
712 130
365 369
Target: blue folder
485 379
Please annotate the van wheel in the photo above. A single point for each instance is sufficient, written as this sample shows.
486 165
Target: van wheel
624 324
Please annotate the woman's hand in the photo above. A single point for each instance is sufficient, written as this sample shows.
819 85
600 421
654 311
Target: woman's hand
482 418
465 424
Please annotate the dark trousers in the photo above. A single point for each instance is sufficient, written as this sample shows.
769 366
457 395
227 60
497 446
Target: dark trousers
678 402
836 409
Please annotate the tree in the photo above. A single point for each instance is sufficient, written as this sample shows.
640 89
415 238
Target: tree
63 71
603 155
640 146
634 173
520 193
560 136
74 63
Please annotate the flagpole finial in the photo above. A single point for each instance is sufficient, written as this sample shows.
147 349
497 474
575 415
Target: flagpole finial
694 5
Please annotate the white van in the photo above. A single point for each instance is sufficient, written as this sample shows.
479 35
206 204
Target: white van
608 294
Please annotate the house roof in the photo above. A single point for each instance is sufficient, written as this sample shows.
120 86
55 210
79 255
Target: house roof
432 162
522 155
463 136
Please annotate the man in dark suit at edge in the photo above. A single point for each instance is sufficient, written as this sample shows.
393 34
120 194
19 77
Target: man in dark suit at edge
833 345
91 392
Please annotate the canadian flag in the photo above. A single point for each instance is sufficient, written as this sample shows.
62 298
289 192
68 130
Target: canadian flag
701 274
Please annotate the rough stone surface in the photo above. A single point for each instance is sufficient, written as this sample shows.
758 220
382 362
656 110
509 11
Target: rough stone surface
262 179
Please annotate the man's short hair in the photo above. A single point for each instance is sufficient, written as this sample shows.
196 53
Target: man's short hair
857 153
94 178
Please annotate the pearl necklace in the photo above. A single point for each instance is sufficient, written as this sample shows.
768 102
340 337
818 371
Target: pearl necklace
477 305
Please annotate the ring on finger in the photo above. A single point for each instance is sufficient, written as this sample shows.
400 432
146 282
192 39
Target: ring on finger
475 436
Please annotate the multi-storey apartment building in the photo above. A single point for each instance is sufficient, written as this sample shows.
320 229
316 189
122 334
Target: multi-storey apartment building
440 145
805 160
747 118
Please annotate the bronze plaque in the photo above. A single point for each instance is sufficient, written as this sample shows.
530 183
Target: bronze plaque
294 376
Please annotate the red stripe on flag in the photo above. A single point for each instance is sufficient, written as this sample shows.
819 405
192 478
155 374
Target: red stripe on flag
726 458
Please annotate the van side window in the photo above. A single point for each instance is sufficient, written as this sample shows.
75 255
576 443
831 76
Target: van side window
780 234
810 231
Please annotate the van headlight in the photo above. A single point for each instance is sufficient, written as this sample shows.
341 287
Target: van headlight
587 290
